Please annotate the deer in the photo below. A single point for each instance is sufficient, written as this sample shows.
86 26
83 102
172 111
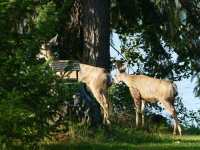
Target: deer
97 79
147 89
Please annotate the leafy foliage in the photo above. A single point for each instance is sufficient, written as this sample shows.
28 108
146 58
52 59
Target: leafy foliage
120 98
76 108
159 38
29 89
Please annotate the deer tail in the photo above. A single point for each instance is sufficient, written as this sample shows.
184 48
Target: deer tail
175 89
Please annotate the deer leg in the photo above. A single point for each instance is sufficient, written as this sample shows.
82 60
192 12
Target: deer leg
137 117
137 101
103 103
176 124
179 127
138 110
108 105
142 112
170 109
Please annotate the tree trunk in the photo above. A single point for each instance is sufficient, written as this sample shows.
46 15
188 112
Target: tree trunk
87 36
71 41
95 22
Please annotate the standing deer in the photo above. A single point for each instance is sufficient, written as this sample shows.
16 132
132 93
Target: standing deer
147 89
96 79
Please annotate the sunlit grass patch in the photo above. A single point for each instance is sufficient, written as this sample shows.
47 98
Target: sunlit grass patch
109 146
167 142
117 138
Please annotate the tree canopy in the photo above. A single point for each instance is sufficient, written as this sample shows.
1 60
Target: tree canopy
161 38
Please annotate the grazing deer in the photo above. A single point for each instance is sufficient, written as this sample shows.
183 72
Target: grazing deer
147 89
96 79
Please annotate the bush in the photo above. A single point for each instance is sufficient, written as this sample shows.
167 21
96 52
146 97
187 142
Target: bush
28 97
120 98
29 90
122 103
76 107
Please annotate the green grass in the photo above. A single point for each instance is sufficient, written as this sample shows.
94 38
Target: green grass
118 138
128 139
187 142
122 146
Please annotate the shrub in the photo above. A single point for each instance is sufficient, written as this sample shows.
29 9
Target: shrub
120 97
28 97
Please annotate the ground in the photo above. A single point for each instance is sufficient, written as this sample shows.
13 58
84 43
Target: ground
187 142
119 138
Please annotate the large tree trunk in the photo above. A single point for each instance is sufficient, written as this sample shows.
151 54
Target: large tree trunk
71 41
87 35
96 32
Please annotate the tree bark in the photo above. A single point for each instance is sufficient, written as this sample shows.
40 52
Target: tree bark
71 40
95 22
87 36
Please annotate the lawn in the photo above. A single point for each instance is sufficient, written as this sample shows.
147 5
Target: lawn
167 142
186 142
118 138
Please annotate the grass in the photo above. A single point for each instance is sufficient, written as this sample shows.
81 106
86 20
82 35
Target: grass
127 139
122 146
118 138
173 143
